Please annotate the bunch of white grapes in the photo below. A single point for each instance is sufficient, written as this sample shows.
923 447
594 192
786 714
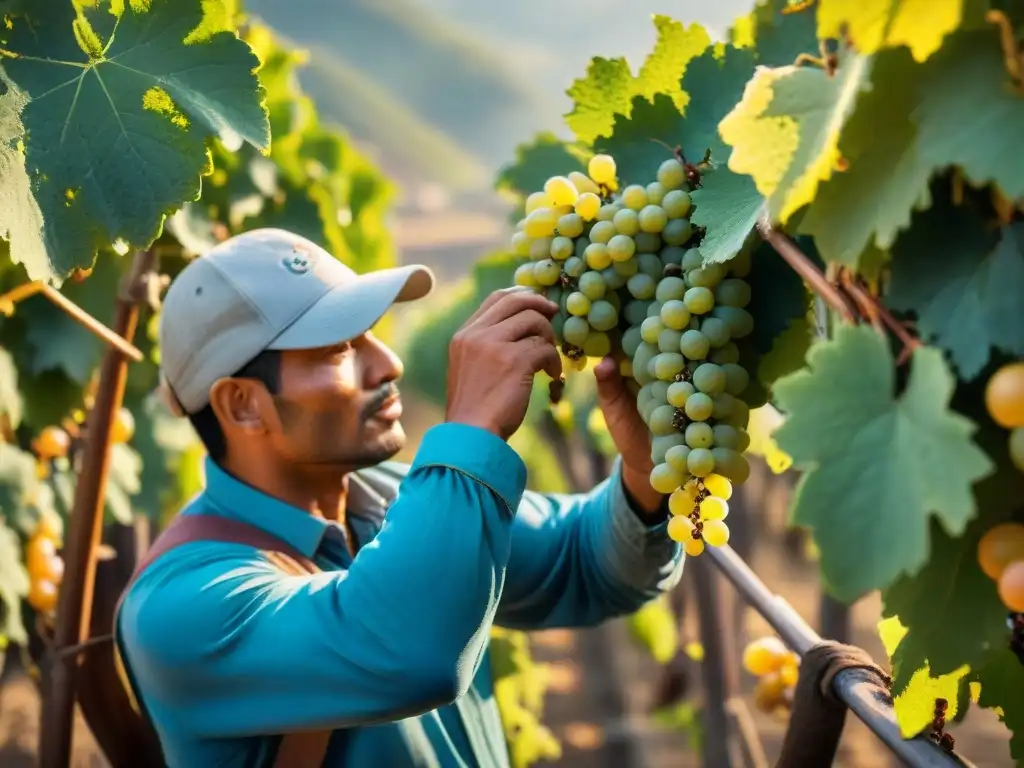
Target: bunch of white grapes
626 272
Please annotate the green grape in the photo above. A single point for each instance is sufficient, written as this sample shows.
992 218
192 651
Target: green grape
694 324
575 331
646 410
662 444
733 292
626 268
655 309
602 232
580 247
558 326
626 222
574 267
621 247
736 379
612 278
667 365
677 203
570 225
634 196
715 533
601 169
671 175
613 299
659 391
643 396
699 407
603 316
679 392
553 293
650 264
668 340
541 223
707 378
739 265
677 231
631 341
597 345
670 289
587 206
524 275
694 345
607 211
692 259
705 277
546 272
728 353
672 255
647 242
723 406
676 457
661 420
665 479
636 312
726 436
740 322
699 300
742 440
740 415
583 183
521 244
641 286
655 193
700 462
717 332
541 248
642 357
731 465
561 248
652 218
597 257
675 314
579 305
651 329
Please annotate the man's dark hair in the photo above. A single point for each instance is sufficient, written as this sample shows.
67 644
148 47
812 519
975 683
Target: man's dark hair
265 368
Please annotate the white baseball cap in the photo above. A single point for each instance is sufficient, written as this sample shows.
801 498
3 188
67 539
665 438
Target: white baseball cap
266 289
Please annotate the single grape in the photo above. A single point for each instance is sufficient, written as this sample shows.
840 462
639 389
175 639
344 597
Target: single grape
731 465
671 289
728 352
677 231
584 184
541 223
698 408
665 479
655 309
764 656
1016 447
733 292
1000 546
649 264
667 365
634 196
651 329
576 330
607 211
680 530
715 533
524 275
613 278
561 248
708 276
636 312
675 315
671 174
713 508
1011 587
652 218
647 242
601 169
621 247
641 286
736 379
683 501
546 272
692 259
655 193
723 406
676 457
699 434
603 316
631 341
700 462
540 248
574 267
671 255
558 326
597 256
679 392
742 440
709 378
602 232
570 225
693 547
580 246
717 332
694 345
1004 396
727 436
577 304
718 487
561 191
668 340
662 444
626 222
537 200
699 301
587 206
644 354
740 264
597 345
661 420
740 415
740 322
521 244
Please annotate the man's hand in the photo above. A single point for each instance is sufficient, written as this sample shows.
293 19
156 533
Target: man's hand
493 358
628 432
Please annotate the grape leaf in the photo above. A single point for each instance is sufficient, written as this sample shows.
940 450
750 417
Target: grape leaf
970 72
785 131
950 608
875 462
787 353
967 289
536 162
11 405
118 114
675 47
644 140
714 84
783 33
871 202
872 25
14 586
1002 680
728 206
778 296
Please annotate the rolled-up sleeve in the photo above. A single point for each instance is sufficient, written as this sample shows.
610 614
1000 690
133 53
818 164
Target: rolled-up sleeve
580 559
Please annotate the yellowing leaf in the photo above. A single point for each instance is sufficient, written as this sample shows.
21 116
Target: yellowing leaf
785 131
915 706
891 631
764 421
875 24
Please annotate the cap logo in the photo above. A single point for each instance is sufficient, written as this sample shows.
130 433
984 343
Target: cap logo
299 262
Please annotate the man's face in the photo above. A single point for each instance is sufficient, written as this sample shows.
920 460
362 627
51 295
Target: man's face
339 406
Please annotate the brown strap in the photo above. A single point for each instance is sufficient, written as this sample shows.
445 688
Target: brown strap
297 750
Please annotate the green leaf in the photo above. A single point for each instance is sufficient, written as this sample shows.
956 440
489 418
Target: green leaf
714 84
536 162
787 353
981 134
876 461
781 37
872 25
14 586
966 287
871 202
1002 680
777 297
950 608
675 47
644 140
727 206
19 485
118 117
11 404
785 131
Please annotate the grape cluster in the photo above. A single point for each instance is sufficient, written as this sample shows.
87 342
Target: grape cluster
1001 557
1004 399
777 669
45 566
628 275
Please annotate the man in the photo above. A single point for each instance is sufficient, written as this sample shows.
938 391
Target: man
267 346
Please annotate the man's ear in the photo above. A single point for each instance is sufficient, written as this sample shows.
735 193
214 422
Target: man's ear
244 406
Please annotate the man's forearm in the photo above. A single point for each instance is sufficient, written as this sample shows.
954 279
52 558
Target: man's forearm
648 504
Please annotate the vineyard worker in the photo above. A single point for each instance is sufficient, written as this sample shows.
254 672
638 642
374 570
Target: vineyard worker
266 345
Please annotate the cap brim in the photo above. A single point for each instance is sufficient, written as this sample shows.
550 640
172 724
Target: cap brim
350 310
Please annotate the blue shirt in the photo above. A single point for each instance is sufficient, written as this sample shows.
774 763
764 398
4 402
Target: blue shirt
391 646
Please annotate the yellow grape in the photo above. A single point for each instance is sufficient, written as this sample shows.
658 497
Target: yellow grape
588 206
42 595
718 486
561 191
49 527
769 693
715 533
714 508
39 552
1000 546
521 244
764 655
52 443
1004 396
693 547
634 196
680 529
1011 586
601 169
664 479
583 183
541 223
789 673
681 501
538 200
